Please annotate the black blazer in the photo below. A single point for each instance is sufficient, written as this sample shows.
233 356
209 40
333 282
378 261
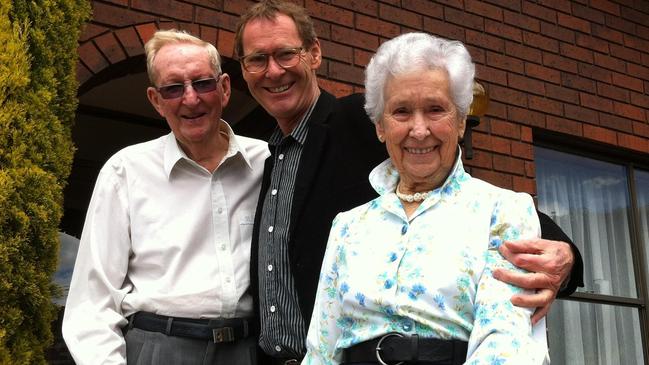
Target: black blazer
340 151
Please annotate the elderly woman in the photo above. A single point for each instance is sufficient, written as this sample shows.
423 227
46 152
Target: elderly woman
407 277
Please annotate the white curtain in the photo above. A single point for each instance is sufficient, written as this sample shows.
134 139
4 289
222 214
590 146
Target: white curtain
642 191
589 199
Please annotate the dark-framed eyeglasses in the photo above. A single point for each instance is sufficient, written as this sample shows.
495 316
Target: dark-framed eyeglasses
285 57
201 86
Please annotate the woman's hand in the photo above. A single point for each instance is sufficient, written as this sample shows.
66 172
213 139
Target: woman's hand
549 264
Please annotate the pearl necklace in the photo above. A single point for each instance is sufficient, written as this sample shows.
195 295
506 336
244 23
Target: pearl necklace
416 197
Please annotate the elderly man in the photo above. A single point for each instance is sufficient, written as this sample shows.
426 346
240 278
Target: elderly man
322 152
162 273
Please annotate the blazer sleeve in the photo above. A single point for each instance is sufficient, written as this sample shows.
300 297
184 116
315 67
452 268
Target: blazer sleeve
551 231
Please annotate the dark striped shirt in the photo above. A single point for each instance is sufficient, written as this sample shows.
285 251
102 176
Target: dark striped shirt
283 332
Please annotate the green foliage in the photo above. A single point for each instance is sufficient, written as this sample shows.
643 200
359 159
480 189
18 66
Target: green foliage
38 42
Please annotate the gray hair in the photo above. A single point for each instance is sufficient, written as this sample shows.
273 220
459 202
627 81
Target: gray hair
414 52
162 38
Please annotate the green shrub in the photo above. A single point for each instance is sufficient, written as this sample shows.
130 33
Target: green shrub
38 54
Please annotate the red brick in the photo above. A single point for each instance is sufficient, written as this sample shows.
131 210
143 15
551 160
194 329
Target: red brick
376 26
514 5
565 126
362 58
504 62
508 95
577 53
526 134
484 40
170 8
523 150
595 44
110 48
477 54
595 72
633 142
524 185
330 13
209 34
191 28
368 7
553 31
628 82
545 105
612 92
90 31
354 38
496 109
530 169
609 62
577 82
526 117
481 159
503 30
538 41
588 13
638 71
606 33
344 72
491 143
561 93
130 41
400 16
641 100
619 23
606 6
235 7
217 19
523 52
525 84
83 73
336 51
336 88
542 73
596 102
116 16
505 129
540 12
641 129
614 122
496 178
508 164
635 16
226 43
214 4
441 28
629 111
626 53
464 19
118 2
424 7
573 23
559 63
484 9
91 57
580 113
560 5
146 31
636 43
522 21
599 134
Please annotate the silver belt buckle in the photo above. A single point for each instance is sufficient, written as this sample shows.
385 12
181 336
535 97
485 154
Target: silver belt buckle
378 348
223 334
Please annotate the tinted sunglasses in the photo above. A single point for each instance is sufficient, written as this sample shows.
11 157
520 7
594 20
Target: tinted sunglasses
173 91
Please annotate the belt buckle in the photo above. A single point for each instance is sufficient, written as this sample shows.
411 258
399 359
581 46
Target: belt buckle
378 348
291 362
223 334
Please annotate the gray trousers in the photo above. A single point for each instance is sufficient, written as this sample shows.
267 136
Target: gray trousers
154 348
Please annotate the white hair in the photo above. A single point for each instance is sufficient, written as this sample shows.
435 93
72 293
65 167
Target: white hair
412 52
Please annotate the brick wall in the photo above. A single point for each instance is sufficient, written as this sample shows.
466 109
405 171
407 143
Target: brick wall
579 68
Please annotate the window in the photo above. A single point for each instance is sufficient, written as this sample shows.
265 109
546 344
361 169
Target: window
604 207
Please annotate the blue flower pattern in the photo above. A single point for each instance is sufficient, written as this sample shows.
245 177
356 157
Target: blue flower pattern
434 280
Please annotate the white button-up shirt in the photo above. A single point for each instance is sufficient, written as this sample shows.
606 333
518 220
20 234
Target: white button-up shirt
163 235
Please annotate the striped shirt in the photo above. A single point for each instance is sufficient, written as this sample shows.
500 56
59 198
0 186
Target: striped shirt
283 332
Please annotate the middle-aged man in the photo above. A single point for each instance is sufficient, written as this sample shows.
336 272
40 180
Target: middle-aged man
164 254
322 153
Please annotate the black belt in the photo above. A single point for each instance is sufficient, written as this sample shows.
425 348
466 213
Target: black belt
395 348
218 330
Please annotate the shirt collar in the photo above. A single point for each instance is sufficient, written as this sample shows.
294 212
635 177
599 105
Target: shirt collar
299 133
173 153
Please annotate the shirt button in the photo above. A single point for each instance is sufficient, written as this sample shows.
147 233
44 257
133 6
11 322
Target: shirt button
273 192
270 229
222 247
277 348
220 210
228 280
281 156
270 267
272 309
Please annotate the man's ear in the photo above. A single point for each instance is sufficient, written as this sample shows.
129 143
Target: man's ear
316 55
225 85
154 99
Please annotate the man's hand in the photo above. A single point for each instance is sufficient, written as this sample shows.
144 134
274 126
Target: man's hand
549 264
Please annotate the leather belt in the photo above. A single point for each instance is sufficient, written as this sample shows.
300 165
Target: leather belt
218 330
395 348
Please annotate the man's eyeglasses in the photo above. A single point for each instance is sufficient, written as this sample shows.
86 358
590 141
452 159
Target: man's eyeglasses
173 91
258 62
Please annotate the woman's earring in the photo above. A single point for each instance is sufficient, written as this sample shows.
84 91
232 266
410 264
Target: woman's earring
381 139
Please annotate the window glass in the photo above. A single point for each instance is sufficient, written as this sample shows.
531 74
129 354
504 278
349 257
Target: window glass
642 192
589 199
67 256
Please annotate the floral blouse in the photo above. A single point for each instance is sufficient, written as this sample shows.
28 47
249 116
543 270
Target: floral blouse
430 274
